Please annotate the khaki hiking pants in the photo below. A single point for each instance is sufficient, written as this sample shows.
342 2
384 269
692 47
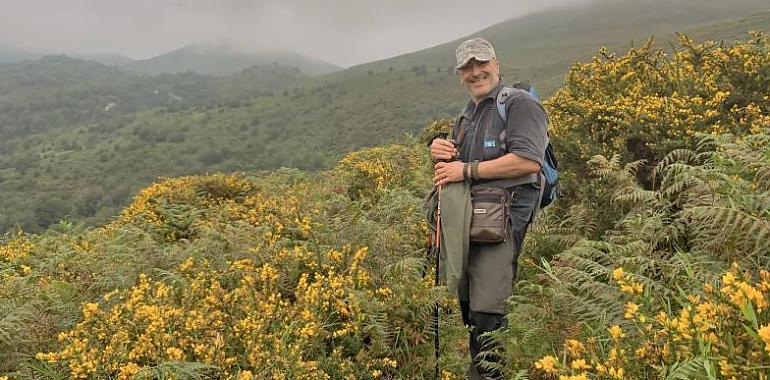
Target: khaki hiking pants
488 280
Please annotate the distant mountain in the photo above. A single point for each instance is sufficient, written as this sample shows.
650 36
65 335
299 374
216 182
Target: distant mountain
225 61
106 59
10 55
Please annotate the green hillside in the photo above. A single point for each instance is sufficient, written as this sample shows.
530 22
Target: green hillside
65 158
59 92
540 47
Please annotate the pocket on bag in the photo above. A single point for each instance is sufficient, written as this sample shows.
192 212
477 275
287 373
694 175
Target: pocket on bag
489 221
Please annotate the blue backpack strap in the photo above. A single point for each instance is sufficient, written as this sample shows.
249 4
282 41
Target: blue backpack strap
503 95
534 93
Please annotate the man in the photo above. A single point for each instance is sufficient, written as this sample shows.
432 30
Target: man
492 152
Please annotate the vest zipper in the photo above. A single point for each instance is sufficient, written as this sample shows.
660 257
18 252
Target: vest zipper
476 134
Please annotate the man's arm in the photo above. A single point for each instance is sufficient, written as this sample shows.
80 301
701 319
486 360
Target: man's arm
526 140
507 166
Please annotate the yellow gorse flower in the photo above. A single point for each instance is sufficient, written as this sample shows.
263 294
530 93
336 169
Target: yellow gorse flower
17 248
618 274
764 334
616 332
579 364
575 348
626 284
631 310
547 364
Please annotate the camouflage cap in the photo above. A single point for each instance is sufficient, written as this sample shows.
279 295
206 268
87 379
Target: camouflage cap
478 48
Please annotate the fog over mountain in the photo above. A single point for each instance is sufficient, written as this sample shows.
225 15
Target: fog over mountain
342 32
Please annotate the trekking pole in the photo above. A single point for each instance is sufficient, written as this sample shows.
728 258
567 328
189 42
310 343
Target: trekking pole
437 246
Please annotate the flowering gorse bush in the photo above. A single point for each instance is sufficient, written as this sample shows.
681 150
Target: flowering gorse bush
370 171
723 331
638 102
249 317
247 279
180 207
17 248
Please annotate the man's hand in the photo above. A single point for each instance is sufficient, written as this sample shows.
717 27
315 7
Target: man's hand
442 150
445 172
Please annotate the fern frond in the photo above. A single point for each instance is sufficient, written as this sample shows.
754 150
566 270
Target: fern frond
579 221
691 369
719 226
705 144
633 167
520 375
678 156
602 166
636 196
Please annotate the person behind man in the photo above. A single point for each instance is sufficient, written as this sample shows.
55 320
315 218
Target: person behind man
492 151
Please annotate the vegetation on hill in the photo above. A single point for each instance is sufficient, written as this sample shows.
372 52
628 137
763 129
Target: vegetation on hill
59 92
76 134
79 139
542 46
107 158
652 269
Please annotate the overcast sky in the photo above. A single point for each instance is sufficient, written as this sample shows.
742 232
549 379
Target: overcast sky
343 32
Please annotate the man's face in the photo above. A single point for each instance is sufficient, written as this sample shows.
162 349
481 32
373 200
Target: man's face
480 77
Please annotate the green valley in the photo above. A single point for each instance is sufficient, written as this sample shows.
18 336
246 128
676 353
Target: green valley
80 138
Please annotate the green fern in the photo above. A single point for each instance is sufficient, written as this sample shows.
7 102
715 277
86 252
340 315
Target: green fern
721 228
690 369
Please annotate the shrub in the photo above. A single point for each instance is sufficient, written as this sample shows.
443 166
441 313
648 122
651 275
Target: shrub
637 103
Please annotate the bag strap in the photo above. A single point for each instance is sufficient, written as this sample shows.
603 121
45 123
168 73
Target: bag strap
506 91
502 96
541 182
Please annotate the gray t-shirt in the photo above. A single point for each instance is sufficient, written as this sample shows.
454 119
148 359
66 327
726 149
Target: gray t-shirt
526 130
483 136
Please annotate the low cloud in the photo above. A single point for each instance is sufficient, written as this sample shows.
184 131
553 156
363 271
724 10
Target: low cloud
344 32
